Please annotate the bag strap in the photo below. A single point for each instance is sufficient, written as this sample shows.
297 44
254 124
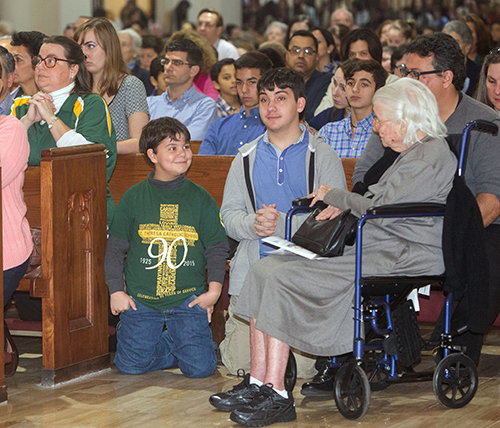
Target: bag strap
246 167
311 172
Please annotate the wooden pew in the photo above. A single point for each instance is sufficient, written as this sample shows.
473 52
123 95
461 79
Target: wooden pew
195 146
349 164
66 196
208 171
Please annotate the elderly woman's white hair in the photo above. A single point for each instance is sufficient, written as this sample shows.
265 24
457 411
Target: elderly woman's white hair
282 26
136 38
411 101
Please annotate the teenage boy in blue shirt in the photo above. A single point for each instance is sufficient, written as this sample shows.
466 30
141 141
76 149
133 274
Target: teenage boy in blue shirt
227 135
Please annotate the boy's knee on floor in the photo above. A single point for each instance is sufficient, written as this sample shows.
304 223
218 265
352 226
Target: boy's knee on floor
199 370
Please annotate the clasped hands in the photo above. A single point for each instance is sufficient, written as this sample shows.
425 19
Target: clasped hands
41 108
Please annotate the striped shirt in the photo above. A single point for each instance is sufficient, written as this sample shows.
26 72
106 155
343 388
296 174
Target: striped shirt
339 136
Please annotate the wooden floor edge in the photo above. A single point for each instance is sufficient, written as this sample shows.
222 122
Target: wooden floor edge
53 377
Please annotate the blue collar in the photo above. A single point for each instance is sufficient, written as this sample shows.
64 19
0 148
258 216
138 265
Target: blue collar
185 97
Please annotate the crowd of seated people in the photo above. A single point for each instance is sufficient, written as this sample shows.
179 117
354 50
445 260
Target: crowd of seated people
235 91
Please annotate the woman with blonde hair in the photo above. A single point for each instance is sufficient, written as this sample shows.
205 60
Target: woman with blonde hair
202 82
124 94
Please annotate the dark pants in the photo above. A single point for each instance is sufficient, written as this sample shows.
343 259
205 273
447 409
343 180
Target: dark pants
11 278
474 341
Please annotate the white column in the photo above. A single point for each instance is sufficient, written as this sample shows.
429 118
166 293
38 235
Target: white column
48 16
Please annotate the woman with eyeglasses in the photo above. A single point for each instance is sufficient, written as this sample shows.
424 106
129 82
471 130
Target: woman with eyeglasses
488 87
125 94
65 112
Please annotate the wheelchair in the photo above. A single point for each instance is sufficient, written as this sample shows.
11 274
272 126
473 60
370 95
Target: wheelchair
392 343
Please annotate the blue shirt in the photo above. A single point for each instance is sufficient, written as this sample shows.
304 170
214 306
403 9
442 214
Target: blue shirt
6 103
226 135
279 176
195 110
339 136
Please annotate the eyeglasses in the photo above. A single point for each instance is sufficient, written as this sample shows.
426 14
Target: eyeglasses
494 50
405 72
295 50
175 62
207 24
377 122
50 61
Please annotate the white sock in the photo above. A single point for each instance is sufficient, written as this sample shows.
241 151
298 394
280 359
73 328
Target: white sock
283 393
255 381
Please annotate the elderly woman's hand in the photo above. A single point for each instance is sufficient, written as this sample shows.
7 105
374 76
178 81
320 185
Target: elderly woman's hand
319 194
328 213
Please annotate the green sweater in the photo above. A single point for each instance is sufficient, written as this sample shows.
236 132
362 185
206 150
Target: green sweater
88 115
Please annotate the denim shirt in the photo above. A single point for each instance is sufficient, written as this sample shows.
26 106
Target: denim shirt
195 110
226 135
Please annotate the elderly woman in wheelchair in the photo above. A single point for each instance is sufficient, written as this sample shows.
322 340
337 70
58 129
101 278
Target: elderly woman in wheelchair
307 304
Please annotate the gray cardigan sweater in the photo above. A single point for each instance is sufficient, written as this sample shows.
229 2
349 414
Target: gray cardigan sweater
237 211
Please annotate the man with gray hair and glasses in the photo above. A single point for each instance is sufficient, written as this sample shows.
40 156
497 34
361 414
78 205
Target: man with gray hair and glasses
7 67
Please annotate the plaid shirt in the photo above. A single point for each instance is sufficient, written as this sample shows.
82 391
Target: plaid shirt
223 108
339 136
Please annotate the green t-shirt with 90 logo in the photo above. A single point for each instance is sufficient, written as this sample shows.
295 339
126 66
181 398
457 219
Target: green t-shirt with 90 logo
168 232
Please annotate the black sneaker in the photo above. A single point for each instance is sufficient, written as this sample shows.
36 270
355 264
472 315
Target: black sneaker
322 384
266 408
241 395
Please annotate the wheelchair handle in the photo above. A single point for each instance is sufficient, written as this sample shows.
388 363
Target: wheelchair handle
486 126
477 125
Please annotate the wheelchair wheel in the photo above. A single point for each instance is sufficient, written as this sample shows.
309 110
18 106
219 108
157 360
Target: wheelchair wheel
291 372
455 381
353 399
375 371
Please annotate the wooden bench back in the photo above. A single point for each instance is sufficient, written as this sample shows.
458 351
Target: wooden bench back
349 164
209 172
195 146
66 196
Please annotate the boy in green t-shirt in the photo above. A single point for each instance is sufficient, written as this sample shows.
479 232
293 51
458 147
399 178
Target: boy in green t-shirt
169 228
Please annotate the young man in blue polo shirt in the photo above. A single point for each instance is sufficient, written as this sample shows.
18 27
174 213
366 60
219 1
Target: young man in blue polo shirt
284 163
227 135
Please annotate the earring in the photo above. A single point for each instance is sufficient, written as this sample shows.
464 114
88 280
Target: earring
72 77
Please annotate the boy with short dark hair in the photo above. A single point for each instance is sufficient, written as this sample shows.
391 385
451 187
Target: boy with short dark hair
223 78
169 228
283 163
349 136
227 135
157 72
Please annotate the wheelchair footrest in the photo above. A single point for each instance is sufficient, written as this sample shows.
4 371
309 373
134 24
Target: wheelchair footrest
405 340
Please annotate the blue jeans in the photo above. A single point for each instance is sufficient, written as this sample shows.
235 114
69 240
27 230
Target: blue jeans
154 340
11 278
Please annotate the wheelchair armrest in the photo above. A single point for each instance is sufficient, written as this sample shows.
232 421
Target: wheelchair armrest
407 208
305 201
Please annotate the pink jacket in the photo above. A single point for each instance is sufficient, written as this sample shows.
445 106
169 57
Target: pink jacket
14 153
203 84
